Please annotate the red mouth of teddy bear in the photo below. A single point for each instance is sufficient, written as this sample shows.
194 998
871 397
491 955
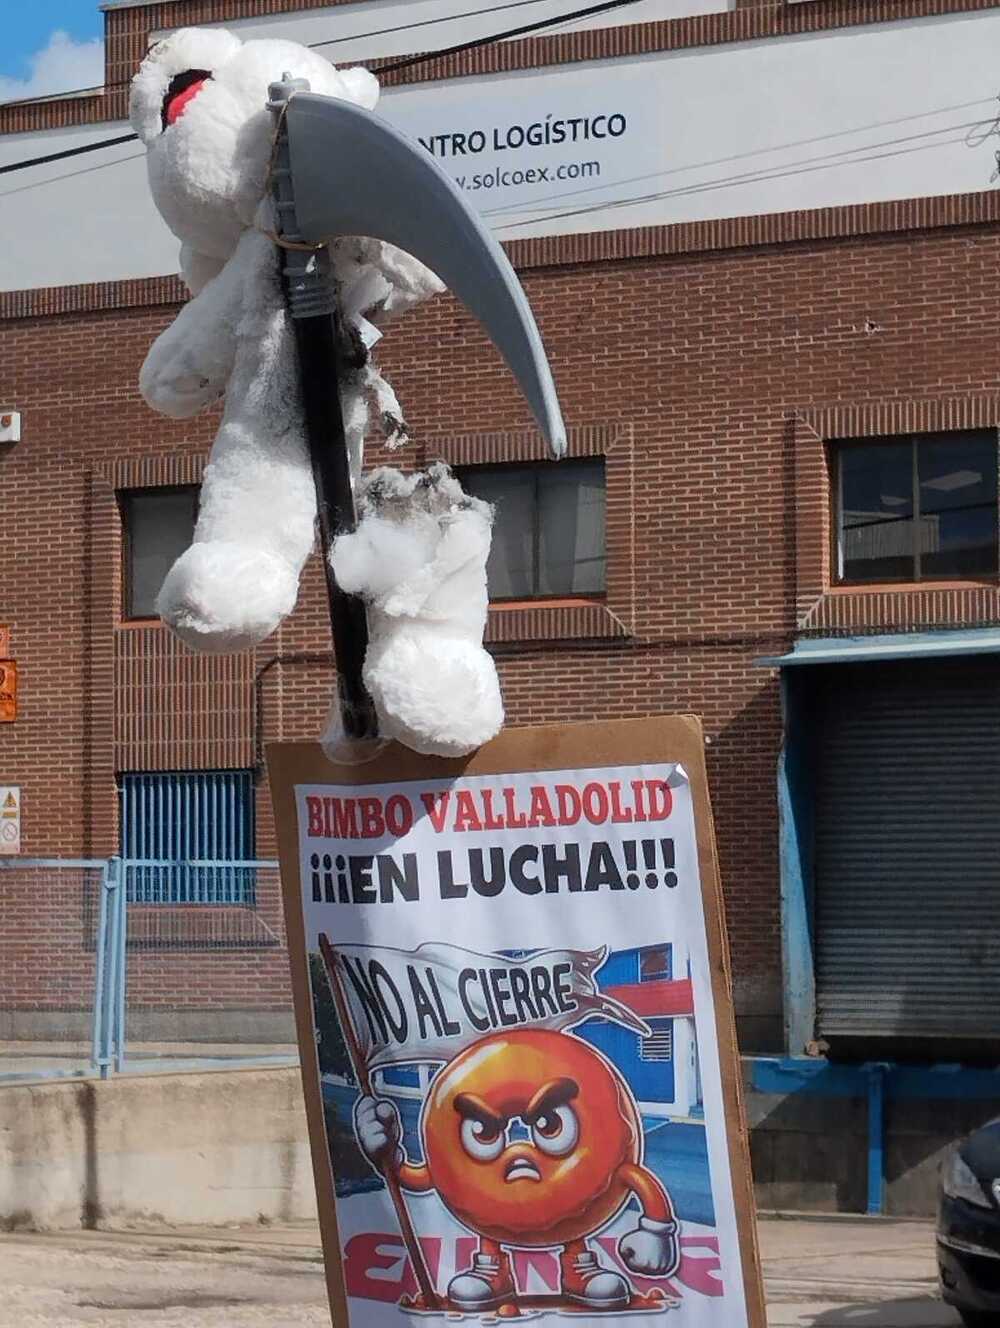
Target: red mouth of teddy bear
181 93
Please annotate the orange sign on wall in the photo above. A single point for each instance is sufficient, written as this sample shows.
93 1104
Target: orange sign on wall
8 691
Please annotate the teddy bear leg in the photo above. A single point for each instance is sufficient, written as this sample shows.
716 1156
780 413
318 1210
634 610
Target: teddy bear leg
419 559
255 529
221 596
436 694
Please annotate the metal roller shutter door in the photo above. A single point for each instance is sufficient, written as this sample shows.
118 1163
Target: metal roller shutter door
907 865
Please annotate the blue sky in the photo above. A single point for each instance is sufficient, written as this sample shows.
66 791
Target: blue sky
26 28
49 46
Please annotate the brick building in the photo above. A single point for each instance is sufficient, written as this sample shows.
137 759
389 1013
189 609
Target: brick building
764 365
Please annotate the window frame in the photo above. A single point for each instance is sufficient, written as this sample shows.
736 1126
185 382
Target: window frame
537 467
838 448
122 498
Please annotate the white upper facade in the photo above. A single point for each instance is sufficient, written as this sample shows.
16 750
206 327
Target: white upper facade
851 115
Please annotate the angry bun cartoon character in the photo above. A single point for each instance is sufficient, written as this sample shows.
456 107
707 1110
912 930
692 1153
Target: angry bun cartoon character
532 1140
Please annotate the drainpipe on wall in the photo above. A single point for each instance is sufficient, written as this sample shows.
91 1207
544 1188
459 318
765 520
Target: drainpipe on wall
307 657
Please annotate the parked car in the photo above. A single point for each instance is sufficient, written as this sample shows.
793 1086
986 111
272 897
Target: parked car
968 1232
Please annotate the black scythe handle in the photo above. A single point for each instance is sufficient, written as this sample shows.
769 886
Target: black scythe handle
321 369
311 293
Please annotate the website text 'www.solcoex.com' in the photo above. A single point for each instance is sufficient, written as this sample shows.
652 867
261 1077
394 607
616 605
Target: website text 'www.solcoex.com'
500 178
547 132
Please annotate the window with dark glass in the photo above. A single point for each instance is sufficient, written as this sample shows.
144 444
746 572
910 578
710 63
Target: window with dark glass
656 964
158 525
917 508
548 534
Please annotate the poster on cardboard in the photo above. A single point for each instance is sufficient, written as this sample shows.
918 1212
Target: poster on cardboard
517 1048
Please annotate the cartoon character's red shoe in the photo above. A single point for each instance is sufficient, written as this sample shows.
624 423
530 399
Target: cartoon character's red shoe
484 1286
586 1282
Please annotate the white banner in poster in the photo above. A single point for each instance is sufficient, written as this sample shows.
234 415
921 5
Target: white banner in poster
529 1048
428 1004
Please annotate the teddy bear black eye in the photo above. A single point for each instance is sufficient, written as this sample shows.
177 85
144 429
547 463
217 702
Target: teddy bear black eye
178 84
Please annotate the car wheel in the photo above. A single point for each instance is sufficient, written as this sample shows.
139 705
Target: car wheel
979 1319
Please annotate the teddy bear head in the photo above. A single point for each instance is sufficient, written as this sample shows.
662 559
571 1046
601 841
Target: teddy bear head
199 103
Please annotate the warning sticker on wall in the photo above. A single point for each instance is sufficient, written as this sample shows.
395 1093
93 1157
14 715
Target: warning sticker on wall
10 819
8 691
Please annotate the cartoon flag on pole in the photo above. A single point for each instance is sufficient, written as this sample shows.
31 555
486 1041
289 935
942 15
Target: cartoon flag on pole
430 1003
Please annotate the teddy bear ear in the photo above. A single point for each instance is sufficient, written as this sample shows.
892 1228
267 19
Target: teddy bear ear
362 87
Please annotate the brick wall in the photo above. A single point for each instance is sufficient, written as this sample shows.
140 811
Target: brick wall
701 376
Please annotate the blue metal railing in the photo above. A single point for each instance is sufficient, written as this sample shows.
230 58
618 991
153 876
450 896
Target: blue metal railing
111 937
108 1014
192 881
108 1047
878 1082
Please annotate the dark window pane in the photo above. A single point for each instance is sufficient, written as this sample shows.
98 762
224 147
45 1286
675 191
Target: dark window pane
159 524
572 556
958 504
510 570
877 528
655 965
548 534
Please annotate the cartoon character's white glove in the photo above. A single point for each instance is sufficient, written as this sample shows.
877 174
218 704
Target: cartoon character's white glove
378 1130
652 1249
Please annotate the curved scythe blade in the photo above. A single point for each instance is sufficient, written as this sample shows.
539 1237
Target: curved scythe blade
355 174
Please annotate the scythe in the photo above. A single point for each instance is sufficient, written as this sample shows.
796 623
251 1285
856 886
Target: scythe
339 170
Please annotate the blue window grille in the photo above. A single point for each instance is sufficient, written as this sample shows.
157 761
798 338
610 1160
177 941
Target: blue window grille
171 820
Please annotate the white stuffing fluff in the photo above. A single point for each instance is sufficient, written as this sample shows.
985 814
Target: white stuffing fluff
208 176
418 558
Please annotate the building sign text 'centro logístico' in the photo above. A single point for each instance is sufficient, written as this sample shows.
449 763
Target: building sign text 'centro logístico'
571 143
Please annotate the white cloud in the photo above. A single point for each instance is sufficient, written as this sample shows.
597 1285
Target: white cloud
60 66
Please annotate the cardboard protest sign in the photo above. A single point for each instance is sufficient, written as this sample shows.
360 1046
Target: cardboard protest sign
519 1057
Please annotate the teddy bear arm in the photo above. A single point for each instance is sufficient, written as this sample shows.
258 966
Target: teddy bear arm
198 269
189 364
408 281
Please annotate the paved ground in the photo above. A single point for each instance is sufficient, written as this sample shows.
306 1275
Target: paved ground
851 1273
838 1273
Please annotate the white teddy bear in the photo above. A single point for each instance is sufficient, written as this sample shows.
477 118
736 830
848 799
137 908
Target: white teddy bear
198 103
